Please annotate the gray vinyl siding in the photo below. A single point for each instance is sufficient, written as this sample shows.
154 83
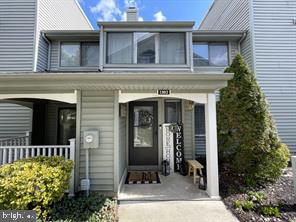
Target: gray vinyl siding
122 146
42 59
231 15
233 50
188 135
15 120
275 53
17 28
57 15
54 56
97 112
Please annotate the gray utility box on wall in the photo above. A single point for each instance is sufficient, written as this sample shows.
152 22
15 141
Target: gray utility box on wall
91 139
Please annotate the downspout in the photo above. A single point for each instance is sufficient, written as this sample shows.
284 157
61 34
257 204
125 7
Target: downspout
48 51
240 41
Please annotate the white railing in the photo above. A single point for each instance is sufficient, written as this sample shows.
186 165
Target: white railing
17 141
9 154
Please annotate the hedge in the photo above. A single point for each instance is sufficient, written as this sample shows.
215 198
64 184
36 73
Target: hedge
34 183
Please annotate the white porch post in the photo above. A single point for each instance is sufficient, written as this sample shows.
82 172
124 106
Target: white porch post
211 147
72 157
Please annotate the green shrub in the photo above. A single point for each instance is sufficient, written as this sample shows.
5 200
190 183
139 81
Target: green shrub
257 197
34 183
93 208
250 181
237 204
270 211
248 140
245 205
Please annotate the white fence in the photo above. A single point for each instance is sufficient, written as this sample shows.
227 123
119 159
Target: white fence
9 154
17 141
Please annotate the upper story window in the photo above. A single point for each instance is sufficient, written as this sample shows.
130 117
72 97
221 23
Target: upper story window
146 48
210 54
119 48
78 54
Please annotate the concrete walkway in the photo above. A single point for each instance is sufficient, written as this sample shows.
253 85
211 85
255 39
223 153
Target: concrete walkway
174 211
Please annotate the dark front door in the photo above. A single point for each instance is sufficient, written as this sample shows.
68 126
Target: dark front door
143 134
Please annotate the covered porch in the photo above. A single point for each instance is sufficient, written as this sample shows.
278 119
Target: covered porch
142 145
50 120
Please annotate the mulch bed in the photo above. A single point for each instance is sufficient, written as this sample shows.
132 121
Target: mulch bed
280 193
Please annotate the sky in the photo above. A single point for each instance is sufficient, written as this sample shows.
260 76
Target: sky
149 10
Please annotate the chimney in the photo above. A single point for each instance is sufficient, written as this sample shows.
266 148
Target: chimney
132 14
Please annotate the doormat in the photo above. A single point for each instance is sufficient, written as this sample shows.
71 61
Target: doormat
140 177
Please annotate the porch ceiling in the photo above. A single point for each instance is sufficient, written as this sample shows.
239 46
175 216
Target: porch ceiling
196 82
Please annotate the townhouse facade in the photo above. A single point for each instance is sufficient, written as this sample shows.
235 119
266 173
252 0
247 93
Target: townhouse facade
119 84
269 47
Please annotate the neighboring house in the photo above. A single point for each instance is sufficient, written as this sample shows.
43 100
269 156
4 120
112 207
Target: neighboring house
270 50
22 49
123 81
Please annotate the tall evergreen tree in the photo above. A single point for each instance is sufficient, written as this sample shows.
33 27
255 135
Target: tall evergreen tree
248 138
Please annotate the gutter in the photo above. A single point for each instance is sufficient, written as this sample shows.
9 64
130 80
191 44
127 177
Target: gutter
240 41
49 51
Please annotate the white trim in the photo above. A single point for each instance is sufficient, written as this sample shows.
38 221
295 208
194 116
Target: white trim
62 97
116 141
84 15
212 147
195 97
157 48
36 38
78 135
122 181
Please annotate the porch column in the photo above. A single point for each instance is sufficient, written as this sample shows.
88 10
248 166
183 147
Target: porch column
211 147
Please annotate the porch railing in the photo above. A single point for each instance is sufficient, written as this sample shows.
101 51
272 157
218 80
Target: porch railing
9 154
17 141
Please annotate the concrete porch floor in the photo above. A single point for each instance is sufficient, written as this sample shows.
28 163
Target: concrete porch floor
172 187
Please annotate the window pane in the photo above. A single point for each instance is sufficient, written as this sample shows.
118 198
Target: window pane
90 54
173 112
143 126
145 43
200 128
172 48
119 48
218 54
70 54
200 54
